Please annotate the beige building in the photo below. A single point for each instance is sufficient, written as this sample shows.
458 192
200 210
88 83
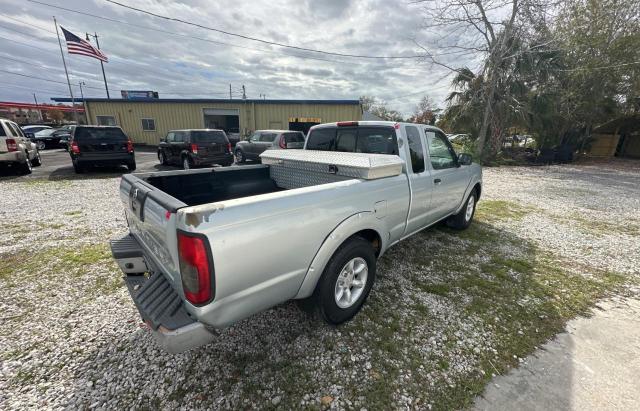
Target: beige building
148 120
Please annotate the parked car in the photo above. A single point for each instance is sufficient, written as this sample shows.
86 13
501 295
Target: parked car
315 223
16 150
234 138
46 138
30 131
195 148
64 134
263 140
100 146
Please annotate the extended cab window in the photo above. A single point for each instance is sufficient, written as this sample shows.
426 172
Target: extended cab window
442 155
205 137
371 139
106 134
2 132
416 150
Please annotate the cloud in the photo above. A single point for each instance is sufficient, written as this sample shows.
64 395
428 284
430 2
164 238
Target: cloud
180 66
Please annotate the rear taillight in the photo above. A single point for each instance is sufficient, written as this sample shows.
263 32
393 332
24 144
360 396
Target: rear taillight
130 146
194 148
74 147
283 142
12 145
347 123
195 269
229 147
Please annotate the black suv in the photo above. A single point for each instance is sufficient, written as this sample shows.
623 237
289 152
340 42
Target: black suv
100 146
192 148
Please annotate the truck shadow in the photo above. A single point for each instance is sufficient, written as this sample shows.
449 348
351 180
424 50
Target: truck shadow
448 310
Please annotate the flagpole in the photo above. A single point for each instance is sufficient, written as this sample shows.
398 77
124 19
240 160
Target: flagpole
104 76
73 101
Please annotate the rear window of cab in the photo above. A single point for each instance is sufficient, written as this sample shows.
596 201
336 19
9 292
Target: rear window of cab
371 139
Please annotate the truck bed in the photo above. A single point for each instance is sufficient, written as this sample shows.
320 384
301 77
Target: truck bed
213 185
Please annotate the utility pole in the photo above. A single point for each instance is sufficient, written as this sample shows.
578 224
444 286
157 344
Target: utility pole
86 117
64 63
104 76
37 107
244 93
230 97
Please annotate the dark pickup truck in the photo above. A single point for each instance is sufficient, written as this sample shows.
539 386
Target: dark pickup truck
193 148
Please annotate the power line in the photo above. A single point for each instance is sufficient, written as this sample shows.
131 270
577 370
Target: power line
31 89
29 24
273 43
187 35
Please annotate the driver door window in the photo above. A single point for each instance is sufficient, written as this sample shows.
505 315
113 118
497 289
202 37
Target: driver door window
255 138
440 152
170 138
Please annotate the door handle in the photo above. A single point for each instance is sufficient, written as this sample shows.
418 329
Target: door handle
437 181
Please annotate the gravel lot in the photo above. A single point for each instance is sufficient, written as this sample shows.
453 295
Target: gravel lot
448 310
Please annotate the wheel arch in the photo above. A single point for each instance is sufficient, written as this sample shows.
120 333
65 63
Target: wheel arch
364 225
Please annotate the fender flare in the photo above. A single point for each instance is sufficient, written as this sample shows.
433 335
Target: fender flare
365 220
475 181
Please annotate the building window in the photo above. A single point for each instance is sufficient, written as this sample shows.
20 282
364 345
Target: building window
148 124
106 120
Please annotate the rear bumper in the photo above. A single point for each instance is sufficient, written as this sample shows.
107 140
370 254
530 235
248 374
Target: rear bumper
12 157
104 159
160 307
223 159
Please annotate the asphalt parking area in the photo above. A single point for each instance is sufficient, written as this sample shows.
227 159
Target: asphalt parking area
56 165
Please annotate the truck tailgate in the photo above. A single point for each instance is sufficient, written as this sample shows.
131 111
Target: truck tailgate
151 215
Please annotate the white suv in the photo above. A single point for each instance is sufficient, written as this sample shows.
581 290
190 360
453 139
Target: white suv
16 149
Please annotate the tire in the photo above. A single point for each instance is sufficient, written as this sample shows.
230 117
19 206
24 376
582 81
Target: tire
463 219
185 163
26 167
346 266
240 158
41 145
78 168
131 166
163 158
37 161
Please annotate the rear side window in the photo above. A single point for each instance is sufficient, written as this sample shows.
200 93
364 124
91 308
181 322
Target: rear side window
208 137
377 140
293 137
2 132
416 150
107 134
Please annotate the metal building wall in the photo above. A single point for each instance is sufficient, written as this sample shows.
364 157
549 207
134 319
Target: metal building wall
172 115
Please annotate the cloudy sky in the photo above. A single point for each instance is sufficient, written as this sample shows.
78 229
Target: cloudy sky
193 62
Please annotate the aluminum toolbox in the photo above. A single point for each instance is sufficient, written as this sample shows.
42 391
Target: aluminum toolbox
302 168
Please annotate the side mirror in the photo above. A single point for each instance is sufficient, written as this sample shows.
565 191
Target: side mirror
465 159
163 140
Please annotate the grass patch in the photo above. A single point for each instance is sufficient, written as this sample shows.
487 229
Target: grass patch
69 261
496 210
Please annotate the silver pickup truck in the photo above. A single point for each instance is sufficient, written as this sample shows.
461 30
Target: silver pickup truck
314 220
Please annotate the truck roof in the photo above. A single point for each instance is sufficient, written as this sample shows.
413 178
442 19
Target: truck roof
375 123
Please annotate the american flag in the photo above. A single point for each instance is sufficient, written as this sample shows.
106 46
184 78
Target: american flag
76 45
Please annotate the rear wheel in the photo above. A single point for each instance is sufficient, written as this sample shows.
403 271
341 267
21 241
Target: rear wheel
78 168
163 158
26 168
41 145
185 163
346 281
37 161
240 156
